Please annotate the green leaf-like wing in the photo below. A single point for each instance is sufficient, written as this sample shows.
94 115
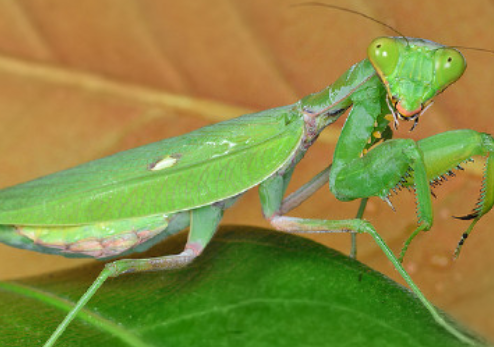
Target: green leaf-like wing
251 287
176 174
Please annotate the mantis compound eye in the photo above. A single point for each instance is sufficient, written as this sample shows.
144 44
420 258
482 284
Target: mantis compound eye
383 53
449 65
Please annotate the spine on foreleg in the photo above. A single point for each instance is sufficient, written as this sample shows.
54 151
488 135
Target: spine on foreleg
486 200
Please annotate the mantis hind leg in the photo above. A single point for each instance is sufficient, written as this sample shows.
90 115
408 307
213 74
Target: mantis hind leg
204 222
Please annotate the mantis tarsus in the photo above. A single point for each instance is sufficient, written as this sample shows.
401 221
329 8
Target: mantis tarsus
131 200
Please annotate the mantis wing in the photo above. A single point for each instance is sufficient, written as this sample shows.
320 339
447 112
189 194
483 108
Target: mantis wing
176 174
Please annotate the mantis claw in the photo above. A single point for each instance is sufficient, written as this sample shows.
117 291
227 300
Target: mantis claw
470 216
386 199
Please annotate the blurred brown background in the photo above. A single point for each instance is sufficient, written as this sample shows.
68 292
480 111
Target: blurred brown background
81 80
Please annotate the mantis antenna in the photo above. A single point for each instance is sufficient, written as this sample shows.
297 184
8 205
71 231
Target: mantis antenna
344 9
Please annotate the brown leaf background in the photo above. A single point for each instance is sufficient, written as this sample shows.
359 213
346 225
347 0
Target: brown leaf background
81 80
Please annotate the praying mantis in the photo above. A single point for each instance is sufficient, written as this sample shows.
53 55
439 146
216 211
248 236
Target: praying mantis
311 115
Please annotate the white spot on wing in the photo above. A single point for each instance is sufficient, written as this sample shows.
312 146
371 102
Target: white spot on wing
164 163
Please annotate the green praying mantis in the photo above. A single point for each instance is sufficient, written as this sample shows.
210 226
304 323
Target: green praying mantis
130 201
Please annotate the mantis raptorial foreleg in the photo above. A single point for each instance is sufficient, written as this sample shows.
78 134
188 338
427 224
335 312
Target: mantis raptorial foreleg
388 164
445 151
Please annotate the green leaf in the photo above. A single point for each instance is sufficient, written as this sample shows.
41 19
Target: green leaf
251 287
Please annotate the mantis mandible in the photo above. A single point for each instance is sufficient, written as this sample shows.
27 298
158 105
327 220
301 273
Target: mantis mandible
131 200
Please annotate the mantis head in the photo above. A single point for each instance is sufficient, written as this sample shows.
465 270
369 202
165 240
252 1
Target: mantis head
414 71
